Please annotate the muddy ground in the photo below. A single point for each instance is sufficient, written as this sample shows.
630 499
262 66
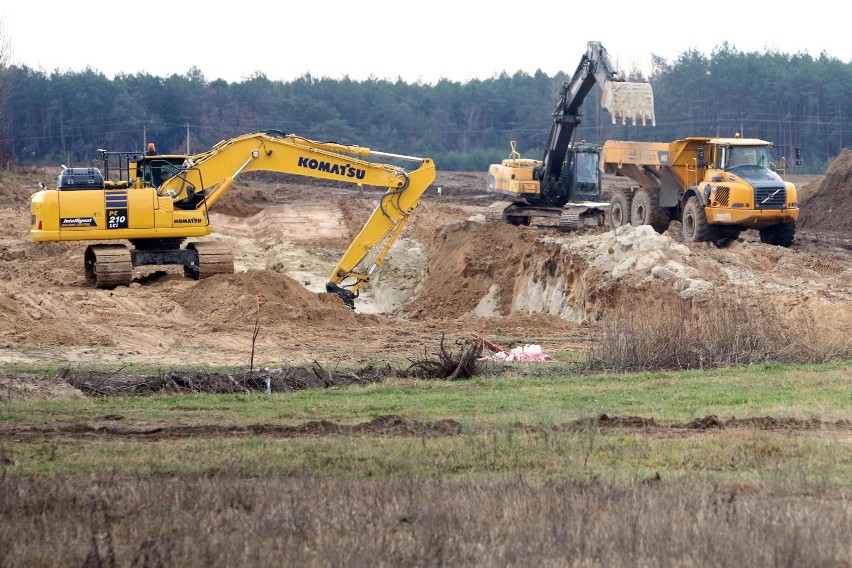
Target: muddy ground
451 274
117 427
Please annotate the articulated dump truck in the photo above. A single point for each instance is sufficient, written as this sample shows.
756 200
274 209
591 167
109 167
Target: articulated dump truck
716 188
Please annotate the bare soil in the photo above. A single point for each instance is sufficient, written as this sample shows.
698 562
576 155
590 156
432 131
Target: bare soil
117 427
451 274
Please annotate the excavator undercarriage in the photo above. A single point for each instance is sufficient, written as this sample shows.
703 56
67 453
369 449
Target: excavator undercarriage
111 265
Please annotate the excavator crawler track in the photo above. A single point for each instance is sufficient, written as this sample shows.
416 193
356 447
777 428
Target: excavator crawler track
569 221
213 259
576 217
108 266
497 211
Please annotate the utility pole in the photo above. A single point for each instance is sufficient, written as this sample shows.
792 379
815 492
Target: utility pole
187 139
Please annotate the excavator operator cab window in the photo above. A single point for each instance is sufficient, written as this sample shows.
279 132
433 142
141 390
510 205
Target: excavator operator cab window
157 170
586 165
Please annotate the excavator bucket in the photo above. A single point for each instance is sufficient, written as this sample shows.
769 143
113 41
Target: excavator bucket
633 101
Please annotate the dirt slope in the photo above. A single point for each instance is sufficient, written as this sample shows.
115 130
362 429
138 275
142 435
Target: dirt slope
827 202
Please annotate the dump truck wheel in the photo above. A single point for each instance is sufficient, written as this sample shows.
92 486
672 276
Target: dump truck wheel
619 209
726 235
695 227
646 210
779 235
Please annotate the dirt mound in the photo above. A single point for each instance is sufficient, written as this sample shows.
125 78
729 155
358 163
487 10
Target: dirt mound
265 296
356 211
14 194
430 217
244 202
472 265
492 269
28 321
33 387
828 207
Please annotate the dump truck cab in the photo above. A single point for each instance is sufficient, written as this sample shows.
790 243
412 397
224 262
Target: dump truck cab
754 154
745 185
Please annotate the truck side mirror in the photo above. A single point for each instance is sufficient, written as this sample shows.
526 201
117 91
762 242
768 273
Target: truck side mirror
799 157
701 162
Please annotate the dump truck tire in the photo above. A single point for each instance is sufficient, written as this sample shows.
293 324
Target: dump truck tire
619 209
779 235
646 210
695 227
726 235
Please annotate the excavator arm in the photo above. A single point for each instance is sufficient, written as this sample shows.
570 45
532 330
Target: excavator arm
206 177
622 99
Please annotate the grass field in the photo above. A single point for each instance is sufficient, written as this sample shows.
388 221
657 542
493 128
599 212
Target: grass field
732 466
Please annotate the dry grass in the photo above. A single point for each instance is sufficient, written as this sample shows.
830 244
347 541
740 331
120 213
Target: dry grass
671 333
104 520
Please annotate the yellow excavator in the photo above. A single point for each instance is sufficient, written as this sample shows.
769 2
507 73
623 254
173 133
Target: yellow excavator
156 202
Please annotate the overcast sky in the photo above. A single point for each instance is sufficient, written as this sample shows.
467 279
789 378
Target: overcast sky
415 41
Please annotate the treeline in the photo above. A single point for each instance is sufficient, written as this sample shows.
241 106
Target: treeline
64 117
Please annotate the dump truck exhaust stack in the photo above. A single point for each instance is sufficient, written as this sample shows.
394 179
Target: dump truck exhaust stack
629 101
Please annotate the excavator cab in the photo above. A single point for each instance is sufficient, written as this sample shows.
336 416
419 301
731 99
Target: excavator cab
154 170
585 173
581 177
140 170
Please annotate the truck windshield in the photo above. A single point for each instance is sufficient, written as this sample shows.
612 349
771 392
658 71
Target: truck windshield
747 156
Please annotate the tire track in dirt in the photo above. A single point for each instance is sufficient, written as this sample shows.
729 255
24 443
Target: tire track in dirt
117 427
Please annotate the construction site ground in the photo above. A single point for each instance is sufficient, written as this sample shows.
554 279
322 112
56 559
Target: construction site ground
451 274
